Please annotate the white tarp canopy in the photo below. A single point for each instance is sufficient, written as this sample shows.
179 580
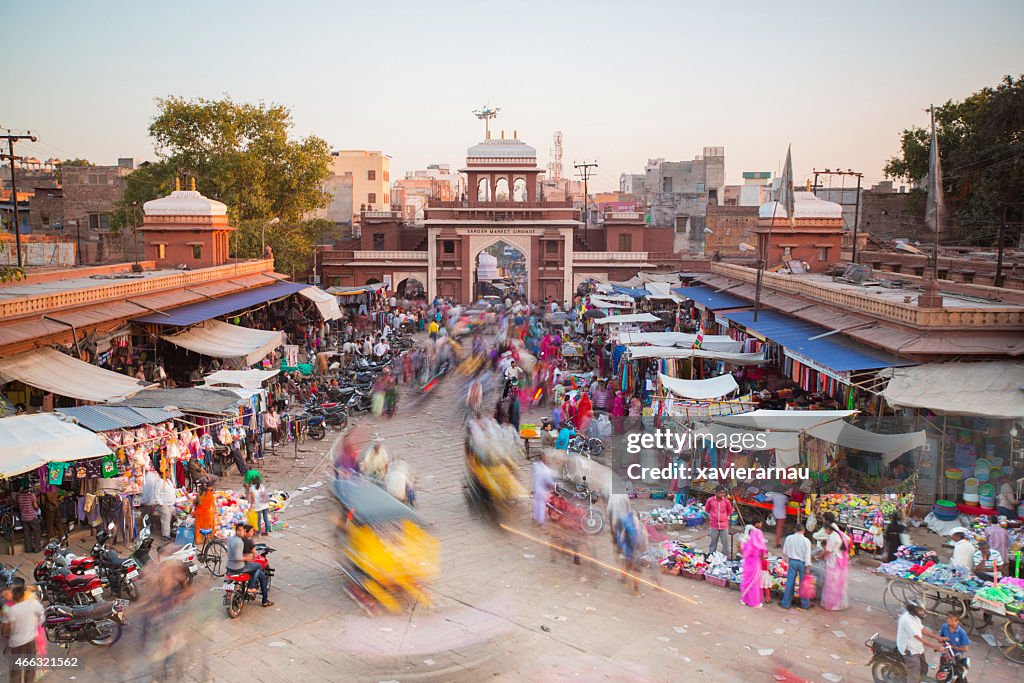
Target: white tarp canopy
713 387
827 425
48 369
220 340
627 319
638 352
712 342
31 441
247 379
326 303
785 444
985 389
662 290
601 302
618 298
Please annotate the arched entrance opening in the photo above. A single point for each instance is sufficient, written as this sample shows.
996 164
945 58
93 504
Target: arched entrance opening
373 281
483 190
519 190
501 190
500 271
411 288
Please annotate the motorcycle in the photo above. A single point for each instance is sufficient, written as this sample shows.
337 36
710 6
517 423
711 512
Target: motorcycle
121 573
185 556
8 578
576 509
58 586
887 663
57 552
236 591
99 625
316 426
361 401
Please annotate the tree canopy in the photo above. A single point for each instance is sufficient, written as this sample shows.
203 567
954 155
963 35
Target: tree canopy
239 154
981 147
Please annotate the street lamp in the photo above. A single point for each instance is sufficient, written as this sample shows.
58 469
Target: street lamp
263 241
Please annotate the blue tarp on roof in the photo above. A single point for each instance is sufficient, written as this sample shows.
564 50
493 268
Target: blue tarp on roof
106 418
190 314
630 291
710 299
835 352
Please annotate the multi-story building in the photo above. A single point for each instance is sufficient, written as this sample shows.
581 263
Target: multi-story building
339 207
410 194
91 194
371 179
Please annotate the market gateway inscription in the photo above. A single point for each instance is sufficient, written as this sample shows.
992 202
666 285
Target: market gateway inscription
500 231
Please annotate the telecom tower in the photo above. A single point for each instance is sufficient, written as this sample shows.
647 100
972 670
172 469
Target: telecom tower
555 166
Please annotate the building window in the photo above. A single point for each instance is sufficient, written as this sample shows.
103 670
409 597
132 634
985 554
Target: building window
551 247
197 251
666 184
448 246
161 251
371 198
700 187
626 242
378 241
387 176
371 175
823 254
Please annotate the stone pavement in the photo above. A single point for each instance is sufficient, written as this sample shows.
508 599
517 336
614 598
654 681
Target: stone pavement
506 608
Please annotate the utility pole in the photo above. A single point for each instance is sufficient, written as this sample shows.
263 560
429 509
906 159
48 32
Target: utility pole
584 173
11 139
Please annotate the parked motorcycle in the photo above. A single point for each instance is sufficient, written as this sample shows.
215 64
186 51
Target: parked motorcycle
236 592
576 508
185 556
316 426
100 625
8 578
121 573
58 586
887 663
57 552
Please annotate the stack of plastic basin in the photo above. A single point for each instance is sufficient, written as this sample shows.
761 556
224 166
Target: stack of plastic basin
945 510
987 496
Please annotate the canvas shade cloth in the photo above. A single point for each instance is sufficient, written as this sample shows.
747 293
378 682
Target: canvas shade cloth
326 303
50 370
662 290
638 352
712 342
604 303
628 318
828 425
218 339
785 444
247 379
31 441
713 387
987 389
618 298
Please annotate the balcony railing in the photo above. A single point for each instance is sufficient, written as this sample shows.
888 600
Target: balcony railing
382 214
623 256
623 215
475 204
389 255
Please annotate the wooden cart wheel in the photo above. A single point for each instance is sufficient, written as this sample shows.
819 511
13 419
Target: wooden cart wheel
1012 642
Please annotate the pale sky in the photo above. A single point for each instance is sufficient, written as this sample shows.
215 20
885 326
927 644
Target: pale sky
624 81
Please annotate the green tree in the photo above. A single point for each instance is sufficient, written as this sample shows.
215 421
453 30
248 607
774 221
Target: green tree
239 154
293 244
981 146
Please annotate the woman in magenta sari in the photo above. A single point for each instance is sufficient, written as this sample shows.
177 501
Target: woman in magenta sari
619 413
754 551
837 558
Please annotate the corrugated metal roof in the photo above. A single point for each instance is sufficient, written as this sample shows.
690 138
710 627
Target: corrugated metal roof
105 418
188 399
710 299
205 310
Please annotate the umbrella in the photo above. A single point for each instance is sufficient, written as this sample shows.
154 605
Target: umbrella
558 317
594 313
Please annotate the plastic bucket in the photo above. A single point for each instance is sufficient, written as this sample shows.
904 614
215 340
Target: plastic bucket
982 463
971 484
971 498
981 475
945 504
954 473
987 501
997 462
987 490
995 472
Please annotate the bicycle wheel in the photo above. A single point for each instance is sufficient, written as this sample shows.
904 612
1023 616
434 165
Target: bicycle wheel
214 557
894 598
1012 645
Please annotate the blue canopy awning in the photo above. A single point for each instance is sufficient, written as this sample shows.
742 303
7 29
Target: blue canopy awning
835 351
191 314
636 293
710 299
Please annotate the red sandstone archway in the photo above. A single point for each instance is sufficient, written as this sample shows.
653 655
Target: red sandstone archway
501 269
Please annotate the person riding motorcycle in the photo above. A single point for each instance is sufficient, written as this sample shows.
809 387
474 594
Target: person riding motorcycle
240 562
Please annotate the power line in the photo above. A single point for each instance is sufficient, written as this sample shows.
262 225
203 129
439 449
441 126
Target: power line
583 171
11 139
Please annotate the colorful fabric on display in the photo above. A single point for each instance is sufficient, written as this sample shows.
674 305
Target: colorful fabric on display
108 466
55 472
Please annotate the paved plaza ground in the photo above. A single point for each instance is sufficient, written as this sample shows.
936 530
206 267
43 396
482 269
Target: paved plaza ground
506 608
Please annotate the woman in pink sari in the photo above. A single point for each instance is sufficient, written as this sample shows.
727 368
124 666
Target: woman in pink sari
837 559
754 551
619 413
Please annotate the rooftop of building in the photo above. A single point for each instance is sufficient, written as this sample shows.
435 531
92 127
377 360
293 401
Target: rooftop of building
71 279
805 205
501 148
184 203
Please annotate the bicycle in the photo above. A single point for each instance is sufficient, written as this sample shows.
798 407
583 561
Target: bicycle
213 554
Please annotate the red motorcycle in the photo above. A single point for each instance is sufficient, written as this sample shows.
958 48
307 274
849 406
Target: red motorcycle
236 586
575 509
56 553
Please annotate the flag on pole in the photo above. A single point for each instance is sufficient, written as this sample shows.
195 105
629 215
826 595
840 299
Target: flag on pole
700 338
786 196
935 209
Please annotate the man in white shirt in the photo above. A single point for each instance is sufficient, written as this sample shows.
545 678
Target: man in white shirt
798 553
911 637
963 550
21 625
166 497
368 346
380 349
779 502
